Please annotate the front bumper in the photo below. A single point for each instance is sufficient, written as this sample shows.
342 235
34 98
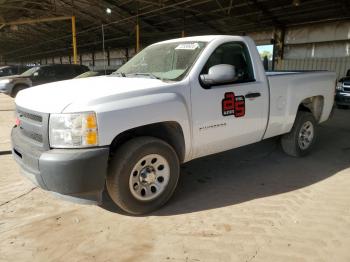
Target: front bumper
342 98
77 173
6 89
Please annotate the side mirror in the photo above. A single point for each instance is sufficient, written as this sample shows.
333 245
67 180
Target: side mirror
36 74
219 74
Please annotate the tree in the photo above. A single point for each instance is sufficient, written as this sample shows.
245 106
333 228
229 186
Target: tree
266 53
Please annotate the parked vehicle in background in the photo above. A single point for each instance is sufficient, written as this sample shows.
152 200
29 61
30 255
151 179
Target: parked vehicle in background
174 101
342 96
95 73
13 70
38 75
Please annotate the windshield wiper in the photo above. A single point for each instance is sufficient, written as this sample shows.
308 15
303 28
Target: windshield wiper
145 74
119 73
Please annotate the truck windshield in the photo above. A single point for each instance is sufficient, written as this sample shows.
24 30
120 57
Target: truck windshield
167 61
31 71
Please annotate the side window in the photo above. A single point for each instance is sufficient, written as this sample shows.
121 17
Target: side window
236 54
46 72
77 70
63 72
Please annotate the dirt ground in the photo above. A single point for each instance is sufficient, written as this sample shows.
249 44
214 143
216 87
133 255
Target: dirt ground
249 204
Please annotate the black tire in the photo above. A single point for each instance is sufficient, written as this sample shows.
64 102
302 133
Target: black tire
121 165
16 89
290 142
342 106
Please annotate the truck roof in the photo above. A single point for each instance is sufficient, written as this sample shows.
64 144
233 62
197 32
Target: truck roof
201 38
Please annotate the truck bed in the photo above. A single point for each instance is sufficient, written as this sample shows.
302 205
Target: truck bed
281 72
288 90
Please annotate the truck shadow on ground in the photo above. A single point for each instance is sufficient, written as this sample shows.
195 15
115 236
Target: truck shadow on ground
256 171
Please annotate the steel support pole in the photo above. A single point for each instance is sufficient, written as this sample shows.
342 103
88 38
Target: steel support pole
137 36
74 36
49 19
104 49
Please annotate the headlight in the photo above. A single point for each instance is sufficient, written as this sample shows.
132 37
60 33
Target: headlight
73 130
339 86
5 81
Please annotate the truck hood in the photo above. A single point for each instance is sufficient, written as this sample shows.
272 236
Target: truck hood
345 79
55 97
12 77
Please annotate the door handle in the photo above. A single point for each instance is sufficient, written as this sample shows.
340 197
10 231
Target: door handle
252 95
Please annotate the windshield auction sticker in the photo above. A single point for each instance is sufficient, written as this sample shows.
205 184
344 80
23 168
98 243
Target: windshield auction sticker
187 46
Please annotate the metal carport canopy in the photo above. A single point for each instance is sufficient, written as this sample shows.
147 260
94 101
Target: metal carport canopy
158 20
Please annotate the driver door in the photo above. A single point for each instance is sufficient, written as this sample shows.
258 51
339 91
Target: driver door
229 115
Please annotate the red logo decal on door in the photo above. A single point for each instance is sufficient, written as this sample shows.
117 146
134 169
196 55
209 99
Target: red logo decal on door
233 105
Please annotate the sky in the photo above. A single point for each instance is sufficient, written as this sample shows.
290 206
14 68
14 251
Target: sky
262 48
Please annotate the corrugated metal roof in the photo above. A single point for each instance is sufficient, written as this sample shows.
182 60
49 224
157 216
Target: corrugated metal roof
159 20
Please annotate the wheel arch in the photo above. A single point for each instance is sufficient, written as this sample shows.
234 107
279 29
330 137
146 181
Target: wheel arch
313 105
17 85
169 131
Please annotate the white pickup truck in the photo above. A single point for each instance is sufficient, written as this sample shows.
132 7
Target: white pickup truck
174 101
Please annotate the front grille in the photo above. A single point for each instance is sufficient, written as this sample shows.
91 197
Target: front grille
30 116
32 135
34 127
346 89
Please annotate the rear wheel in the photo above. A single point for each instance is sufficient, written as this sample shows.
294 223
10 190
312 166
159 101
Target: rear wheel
16 89
143 175
300 140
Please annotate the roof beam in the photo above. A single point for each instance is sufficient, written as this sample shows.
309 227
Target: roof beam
35 21
129 13
89 17
267 13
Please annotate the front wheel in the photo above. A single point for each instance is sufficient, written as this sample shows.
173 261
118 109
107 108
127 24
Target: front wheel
16 89
143 175
300 140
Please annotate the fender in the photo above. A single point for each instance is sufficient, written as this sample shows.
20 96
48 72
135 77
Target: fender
115 117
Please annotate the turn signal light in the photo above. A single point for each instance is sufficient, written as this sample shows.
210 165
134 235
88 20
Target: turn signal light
17 121
91 138
91 121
